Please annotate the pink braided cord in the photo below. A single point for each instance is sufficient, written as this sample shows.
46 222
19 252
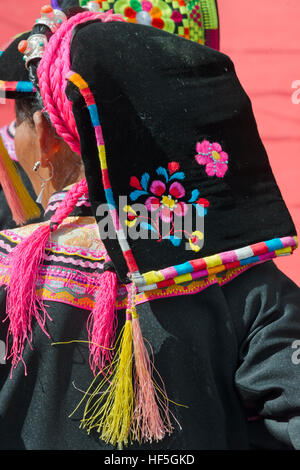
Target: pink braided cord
69 202
52 72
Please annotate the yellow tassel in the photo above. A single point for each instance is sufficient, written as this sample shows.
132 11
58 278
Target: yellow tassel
22 205
109 407
122 409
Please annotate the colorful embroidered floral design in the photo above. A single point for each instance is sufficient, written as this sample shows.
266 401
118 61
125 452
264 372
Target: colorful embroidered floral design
167 204
213 157
155 13
165 199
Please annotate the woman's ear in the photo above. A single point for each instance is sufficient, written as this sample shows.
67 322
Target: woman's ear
47 141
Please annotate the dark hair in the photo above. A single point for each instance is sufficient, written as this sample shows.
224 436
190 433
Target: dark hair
26 107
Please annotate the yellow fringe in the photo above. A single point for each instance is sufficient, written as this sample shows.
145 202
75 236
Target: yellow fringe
109 405
29 207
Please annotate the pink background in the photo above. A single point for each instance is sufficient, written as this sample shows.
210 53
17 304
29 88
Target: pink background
262 37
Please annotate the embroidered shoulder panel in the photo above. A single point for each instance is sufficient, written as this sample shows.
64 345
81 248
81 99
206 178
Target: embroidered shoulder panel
75 244
73 265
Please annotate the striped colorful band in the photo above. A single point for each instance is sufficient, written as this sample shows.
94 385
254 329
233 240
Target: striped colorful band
203 267
19 87
86 93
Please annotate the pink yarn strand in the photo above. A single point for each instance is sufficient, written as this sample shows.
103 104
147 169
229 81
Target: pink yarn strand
151 422
23 301
102 323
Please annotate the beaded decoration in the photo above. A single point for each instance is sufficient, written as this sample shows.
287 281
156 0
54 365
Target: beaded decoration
51 17
196 20
33 48
93 6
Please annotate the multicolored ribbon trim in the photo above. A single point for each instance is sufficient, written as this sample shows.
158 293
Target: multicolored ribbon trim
19 87
86 93
79 289
203 267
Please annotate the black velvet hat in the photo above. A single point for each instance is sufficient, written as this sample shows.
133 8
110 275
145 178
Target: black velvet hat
165 123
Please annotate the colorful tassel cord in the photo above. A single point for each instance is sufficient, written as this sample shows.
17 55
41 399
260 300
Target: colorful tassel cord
21 204
150 421
109 405
124 406
102 322
23 303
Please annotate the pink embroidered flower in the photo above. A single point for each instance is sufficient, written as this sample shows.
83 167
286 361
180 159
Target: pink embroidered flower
213 157
167 202
176 17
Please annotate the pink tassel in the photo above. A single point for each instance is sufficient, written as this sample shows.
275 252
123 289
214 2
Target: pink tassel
149 423
102 322
23 303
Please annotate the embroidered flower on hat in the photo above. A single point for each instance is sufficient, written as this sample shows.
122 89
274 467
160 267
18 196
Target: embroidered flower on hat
213 157
165 199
